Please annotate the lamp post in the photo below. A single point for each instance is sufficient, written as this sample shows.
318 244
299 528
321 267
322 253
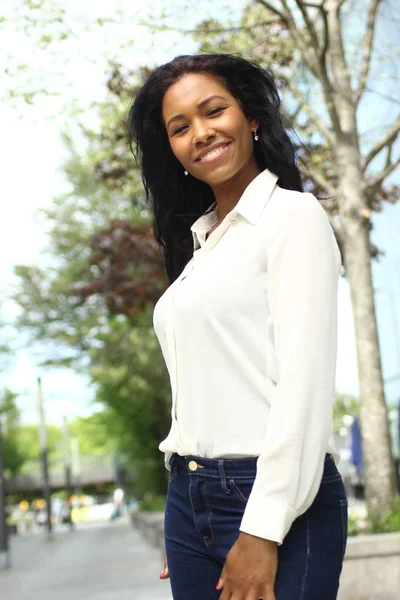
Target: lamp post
44 459
4 550
67 469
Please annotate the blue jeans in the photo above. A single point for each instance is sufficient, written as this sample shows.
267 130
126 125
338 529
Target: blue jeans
202 519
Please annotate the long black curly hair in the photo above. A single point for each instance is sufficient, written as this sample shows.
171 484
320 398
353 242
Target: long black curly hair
177 201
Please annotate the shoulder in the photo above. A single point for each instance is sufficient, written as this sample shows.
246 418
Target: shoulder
288 210
286 203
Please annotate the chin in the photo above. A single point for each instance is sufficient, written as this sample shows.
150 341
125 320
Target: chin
219 177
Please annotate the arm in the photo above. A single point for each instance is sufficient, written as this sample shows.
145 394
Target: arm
303 269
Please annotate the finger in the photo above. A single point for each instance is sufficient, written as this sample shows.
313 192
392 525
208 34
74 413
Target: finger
266 595
164 574
226 594
221 580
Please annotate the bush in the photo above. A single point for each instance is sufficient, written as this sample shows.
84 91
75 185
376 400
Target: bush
152 504
353 527
390 522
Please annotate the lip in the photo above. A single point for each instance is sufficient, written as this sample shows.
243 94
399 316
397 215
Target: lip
201 157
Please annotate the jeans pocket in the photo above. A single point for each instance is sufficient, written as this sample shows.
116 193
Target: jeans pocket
344 517
174 469
172 476
242 488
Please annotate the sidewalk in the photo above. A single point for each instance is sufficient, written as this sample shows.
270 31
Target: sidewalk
109 561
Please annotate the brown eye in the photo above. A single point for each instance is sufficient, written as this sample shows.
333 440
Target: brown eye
179 130
215 111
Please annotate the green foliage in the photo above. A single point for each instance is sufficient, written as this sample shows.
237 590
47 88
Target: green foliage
96 297
353 525
9 415
29 445
132 381
390 522
94 433
152 504
376 523
345 406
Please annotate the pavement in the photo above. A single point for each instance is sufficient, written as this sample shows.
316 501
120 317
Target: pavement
105 561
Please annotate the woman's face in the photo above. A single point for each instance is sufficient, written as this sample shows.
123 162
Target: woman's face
208 131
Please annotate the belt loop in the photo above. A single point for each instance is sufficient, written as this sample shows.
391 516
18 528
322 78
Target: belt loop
223 476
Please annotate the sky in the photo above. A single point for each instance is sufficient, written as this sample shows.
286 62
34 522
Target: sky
31 154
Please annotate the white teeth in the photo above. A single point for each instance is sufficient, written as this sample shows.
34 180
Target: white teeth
213 153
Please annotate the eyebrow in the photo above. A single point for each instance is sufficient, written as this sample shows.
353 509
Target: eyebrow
200 105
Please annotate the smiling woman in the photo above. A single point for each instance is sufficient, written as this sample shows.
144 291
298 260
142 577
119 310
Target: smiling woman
211 137
247 91
256 507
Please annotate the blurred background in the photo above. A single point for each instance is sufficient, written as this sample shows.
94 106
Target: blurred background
84 395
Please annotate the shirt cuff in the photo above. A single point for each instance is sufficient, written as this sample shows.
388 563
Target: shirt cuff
267 519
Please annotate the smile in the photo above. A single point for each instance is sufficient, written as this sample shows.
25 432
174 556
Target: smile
214 154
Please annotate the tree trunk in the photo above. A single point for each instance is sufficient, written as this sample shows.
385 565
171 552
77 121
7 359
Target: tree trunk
378 461
355 228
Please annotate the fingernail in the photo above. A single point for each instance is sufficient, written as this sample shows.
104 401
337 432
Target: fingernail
162 574
217 586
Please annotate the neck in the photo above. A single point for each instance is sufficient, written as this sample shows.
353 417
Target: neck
228 193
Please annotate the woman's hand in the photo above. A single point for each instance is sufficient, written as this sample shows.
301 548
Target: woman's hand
165 573
250 569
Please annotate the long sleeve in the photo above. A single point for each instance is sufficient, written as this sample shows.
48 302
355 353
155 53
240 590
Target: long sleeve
303 269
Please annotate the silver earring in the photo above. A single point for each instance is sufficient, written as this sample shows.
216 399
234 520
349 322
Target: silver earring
255 135
185 173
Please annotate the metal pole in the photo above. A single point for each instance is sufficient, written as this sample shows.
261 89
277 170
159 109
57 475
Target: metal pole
67 468
4 549
76 465
44 459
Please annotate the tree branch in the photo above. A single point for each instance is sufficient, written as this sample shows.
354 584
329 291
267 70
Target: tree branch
309 25
320 179
387 139
298 37
315 62
275 10
367 48
314 117
338 230
373 186
216 30
325 34
317 65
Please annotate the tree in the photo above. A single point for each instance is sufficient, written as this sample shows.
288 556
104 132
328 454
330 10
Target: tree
325 83
9 415
95 298
27 438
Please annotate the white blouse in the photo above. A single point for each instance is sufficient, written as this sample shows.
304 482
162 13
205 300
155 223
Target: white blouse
248 333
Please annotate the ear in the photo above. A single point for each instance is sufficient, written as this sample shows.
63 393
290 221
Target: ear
254 124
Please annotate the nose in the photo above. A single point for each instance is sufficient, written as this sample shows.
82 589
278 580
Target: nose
202 132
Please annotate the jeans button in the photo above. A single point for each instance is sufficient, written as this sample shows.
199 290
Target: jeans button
192 465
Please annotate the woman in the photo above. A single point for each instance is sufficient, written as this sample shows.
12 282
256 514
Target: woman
256 507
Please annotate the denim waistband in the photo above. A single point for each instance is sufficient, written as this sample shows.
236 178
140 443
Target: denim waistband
217 467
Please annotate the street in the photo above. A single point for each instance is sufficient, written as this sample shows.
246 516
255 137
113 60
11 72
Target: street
107 561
